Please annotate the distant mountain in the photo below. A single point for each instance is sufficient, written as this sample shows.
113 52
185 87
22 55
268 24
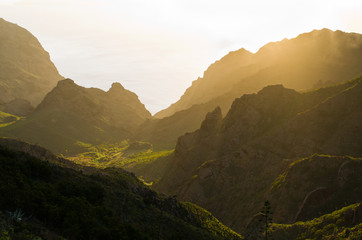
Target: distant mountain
309 61
57 199
315 59
231 165
71 116
26 69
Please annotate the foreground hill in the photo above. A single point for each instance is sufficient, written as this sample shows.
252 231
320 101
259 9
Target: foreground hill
59 198
71 116
26 69
309 61
232 165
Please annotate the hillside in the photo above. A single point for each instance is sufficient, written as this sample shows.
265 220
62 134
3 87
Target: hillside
26 69
71 117
345 223
230 165
87 203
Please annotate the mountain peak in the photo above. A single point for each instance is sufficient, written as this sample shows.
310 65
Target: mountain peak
116 87
66 81
276 89
212 120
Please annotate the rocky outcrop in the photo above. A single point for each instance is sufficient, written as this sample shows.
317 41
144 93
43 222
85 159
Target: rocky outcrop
26 69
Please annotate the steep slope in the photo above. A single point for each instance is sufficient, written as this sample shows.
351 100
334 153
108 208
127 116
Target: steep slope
345 223
229 165
71 116
311 60
163 133
26 69
87 203
319 183
216 81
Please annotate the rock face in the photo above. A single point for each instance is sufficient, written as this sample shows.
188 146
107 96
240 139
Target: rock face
71 115
229 166
26 69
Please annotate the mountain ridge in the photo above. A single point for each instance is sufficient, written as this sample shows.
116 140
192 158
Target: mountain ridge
320 49
27 71
71 116
243 153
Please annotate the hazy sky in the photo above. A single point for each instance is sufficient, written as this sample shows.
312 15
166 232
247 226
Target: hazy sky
157 48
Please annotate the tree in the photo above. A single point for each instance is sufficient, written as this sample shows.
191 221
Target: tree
266 218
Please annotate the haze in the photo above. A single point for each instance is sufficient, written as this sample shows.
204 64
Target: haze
157 48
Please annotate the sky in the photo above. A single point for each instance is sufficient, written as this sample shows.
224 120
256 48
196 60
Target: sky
157 48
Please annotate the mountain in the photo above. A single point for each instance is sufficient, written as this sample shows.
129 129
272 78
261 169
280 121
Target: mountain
163 133
311 60
26 69
71 117
48 197
318 58
231 165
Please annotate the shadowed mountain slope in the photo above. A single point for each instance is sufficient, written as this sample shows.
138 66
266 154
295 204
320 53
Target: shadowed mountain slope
26 69
230 164
71 116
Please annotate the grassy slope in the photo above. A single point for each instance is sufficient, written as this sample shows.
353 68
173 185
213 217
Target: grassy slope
147 164
7 119
341 224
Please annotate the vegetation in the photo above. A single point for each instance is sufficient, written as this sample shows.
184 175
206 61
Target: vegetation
266 218
94 204
7 119
341 224
137 157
